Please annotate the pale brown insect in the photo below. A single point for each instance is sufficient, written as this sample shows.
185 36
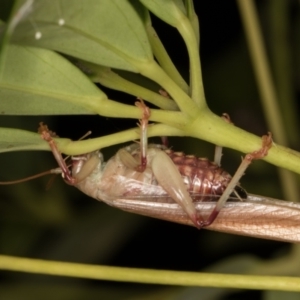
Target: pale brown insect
183 189
157 182
153 171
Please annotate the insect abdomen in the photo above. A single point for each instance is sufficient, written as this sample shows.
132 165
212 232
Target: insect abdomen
199 174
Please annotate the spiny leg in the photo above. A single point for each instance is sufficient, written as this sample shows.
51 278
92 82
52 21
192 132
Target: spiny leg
218 149
143 124
49 172
47 135
258 154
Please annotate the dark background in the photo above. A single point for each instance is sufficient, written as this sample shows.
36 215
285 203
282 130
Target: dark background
65 225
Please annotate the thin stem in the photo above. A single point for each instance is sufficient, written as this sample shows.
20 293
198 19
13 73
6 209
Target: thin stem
280 57
164 277
191 14
69 147
114 109
153 71
262 69
197 90
266 88
164 60
110 79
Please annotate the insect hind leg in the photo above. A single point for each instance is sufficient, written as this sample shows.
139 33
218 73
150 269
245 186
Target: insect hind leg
258 154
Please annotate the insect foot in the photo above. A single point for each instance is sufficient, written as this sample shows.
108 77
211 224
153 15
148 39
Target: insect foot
263 151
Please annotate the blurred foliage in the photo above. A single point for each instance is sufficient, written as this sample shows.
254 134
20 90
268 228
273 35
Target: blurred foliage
63 224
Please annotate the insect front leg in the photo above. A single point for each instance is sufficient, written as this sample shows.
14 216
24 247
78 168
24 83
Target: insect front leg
47 135
143 124
87 164
258 154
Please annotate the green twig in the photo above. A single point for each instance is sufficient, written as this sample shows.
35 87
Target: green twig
154 72
149 276
164 60
196 84
69 147
267 89
110 79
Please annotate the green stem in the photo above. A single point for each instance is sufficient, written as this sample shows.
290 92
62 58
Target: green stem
206 126
164 60
267 89
114 109
281 55
187 32
212 128
110 79
69 147
262 70
192 16
154 72
149 276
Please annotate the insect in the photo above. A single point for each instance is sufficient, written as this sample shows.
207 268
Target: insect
158 182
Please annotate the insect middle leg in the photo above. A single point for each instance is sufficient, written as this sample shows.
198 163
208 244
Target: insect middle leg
218 149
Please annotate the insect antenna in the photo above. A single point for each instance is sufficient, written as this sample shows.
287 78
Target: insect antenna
52 171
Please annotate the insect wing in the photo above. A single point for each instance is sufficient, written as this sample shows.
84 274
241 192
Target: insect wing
255 216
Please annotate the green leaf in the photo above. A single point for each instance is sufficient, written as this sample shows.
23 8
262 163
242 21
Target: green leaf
98 31
12 139
40 82
170 11
17 139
